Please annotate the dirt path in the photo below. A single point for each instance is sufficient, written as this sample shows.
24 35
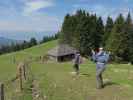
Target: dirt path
36 92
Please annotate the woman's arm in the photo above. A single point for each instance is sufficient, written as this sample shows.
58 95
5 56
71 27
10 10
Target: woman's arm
93 52
93 55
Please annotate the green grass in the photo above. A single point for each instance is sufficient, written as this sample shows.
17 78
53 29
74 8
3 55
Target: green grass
57 83
8 68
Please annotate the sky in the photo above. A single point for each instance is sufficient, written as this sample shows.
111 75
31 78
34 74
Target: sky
48 15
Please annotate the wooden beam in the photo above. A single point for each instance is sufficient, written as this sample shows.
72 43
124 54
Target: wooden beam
1 91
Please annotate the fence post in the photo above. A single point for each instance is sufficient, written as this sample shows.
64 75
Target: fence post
20 79
1 91
24 71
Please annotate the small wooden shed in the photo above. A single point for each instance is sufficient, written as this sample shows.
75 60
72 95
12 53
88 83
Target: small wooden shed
62 52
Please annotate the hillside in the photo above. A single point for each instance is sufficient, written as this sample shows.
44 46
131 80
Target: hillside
56 82
8 67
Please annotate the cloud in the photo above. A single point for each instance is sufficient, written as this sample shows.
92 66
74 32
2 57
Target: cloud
24 16
34 6
35 22
35 15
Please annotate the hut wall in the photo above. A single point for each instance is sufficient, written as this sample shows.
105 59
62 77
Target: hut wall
53 58
66 58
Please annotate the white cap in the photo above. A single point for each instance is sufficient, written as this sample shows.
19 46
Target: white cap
100 48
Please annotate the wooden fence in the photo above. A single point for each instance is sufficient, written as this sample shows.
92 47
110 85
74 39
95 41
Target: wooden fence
2 91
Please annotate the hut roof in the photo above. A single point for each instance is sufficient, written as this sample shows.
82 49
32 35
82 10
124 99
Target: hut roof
62 50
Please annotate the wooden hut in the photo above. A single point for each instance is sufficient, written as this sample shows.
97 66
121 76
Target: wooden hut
62 52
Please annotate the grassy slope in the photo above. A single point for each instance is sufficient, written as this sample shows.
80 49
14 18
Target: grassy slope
57 83
8 68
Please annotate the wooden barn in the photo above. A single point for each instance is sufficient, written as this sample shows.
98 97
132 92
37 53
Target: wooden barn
62 52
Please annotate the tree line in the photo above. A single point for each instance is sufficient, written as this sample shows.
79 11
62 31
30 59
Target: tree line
25 44
86 31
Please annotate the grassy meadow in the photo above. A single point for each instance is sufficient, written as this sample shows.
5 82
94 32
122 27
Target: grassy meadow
55 81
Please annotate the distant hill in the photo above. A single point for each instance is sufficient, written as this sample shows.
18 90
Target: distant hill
6 41
23 35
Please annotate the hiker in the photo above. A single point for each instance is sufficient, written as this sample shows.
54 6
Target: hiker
77 62
101 58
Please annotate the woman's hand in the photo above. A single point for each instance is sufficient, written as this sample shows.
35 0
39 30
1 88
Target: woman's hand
109 53
93 52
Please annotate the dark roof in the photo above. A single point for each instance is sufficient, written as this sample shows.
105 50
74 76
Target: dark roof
62 50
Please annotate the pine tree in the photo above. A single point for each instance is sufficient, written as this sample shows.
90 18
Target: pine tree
99 32
33 42
116 42
68 29
81 18
129 35
64 36
108 29
85 37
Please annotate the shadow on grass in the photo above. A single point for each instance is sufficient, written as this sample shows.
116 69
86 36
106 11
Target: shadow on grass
85 74
109 83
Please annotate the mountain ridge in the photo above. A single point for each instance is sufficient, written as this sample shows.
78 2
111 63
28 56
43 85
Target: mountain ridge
6 41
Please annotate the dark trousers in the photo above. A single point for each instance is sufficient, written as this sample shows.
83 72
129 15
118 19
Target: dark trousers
76 68
99 79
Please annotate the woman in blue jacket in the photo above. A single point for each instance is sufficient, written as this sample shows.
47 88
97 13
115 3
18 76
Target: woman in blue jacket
101 58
